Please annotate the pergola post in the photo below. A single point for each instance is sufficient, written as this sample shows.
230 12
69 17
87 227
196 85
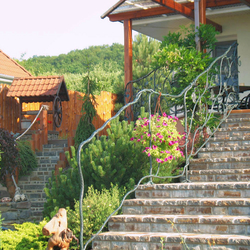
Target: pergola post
128 64
197 23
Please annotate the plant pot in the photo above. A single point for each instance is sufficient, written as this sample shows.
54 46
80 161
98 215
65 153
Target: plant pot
25 123
10 184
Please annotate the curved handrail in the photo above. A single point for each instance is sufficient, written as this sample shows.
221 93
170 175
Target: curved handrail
46 107
188 127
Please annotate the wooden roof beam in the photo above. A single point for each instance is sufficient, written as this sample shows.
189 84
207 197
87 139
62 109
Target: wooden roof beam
163 10
177 7
185 11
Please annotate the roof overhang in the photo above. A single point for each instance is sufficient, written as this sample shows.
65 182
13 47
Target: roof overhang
148 16
38 89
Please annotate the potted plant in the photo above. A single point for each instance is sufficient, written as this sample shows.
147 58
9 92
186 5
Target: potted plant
161 141
10 162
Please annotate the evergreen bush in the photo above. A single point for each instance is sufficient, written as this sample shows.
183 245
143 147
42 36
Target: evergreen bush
27 156
111 160
26 236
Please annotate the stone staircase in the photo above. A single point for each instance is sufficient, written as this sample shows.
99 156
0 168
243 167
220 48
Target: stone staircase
33 185
211 212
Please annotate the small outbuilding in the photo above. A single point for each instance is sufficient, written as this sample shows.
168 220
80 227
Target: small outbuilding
41 89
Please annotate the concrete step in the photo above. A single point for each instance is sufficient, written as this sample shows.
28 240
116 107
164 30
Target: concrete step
228 175
170 241
236 122
220 163
224 152
205 224
195 190
232 206
58 142
226 133
230 142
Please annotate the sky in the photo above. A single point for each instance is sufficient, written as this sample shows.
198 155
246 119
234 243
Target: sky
53 27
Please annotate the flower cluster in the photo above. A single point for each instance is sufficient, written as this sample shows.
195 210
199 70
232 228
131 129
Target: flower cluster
164 137
38 121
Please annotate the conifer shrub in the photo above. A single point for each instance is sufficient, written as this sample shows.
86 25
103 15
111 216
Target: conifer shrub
27 157
112 159
26 236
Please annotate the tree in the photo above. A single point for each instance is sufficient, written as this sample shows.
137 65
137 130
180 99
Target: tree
143 50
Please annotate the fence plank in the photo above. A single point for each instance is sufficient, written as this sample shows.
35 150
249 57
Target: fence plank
9 112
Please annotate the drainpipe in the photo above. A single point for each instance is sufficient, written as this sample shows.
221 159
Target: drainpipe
6 79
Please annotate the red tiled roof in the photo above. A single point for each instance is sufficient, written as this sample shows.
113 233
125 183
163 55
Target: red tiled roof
11 68
38 89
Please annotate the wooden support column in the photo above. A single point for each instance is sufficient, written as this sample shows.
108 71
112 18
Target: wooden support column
202 11
44 126
128 64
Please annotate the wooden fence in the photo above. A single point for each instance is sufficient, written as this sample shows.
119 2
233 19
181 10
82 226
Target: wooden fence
10 118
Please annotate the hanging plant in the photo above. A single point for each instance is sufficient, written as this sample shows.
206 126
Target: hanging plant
163 136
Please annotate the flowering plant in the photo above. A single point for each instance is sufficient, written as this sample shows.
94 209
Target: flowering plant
164 135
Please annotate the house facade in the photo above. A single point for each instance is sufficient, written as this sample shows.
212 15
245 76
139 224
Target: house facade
156 18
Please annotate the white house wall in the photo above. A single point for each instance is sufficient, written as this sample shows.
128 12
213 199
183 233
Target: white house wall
237 27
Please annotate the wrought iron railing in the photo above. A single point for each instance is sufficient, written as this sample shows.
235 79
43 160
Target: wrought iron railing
211 104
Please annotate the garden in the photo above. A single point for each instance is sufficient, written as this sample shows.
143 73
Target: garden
113 165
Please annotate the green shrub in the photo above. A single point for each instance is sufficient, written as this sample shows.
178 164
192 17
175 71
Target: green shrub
9 155
27 156
27 236
0 230
113 159
96 207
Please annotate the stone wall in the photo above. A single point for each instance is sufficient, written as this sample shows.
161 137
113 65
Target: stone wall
15 212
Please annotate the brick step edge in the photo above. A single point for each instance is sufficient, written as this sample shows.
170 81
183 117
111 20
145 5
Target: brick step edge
226 149
182 219
144 237
219 171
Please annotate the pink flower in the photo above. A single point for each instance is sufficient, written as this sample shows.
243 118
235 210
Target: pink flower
131 139
167 152
164 114
148 154
159 160
158 126
139 140
160 136
148 135
164 123
176 118
170 117
170 157
154 147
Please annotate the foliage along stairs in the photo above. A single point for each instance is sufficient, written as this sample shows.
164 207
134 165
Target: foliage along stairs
50 159
211 212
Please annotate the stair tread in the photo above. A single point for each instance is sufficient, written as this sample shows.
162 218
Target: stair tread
228 148
230 238
194 185
231 138
229 129
218 160
174 218
220 171
189 201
